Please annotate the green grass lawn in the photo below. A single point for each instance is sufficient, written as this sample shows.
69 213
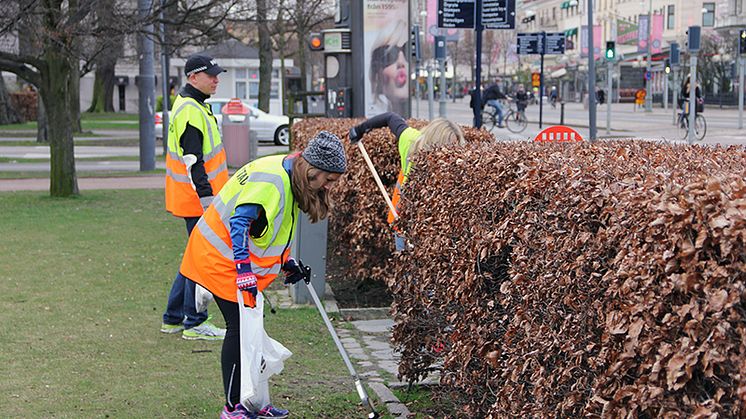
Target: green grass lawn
83 285
89 121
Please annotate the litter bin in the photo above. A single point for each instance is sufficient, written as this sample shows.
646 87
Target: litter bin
236 133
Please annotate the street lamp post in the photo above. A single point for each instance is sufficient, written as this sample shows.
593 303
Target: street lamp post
648 73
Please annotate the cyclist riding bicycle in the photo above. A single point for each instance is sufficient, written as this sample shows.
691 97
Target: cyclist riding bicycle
492 96
684 98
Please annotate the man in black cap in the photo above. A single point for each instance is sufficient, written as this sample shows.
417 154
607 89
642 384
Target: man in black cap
195 172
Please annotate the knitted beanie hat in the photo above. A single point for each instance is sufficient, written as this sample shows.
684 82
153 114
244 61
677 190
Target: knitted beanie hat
325 152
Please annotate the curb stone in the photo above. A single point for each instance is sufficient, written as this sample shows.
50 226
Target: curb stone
367 365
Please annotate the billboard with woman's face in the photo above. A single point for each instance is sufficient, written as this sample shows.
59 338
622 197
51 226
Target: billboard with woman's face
385 40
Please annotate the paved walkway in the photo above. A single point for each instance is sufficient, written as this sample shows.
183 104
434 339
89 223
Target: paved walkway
368 344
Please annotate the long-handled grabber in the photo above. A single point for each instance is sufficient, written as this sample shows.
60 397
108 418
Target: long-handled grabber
358 384
377 178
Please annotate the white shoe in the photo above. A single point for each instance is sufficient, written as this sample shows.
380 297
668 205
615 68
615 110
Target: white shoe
204 331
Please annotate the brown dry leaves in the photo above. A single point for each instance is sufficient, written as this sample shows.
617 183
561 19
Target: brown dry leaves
563 280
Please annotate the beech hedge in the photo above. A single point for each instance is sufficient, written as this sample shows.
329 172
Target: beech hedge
560 280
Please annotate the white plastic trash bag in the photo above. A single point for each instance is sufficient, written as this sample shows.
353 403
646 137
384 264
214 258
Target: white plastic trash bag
261 356
202 298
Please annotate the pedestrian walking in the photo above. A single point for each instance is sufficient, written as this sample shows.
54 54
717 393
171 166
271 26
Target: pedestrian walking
195 171
439 131
243 241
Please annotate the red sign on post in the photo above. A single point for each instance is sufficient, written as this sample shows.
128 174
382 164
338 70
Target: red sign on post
235 107
558 134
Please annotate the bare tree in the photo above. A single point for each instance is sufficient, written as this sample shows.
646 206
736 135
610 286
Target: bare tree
265 55
8 114
109 47
306 17
61 38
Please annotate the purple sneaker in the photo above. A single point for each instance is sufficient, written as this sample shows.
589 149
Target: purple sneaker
239 412
271 412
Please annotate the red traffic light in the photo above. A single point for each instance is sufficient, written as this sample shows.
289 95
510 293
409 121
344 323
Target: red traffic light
316 42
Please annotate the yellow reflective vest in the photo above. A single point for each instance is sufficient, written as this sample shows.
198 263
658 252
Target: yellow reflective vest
181 198
208 259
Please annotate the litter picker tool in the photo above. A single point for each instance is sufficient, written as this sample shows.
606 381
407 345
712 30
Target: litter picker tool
358 384
377 178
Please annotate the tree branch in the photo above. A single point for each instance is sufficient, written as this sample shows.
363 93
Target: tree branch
21 70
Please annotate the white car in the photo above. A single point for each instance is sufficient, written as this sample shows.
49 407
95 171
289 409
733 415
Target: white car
268 127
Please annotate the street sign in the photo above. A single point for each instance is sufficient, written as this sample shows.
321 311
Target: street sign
558 134
456 14
498 14
530 43
648 76
554 43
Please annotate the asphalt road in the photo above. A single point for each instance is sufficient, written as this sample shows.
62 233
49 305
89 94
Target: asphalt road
627 122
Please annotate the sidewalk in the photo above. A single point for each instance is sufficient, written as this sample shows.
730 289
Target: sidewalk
91 183
368 343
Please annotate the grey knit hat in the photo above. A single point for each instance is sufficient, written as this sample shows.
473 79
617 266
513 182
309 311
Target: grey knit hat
325 152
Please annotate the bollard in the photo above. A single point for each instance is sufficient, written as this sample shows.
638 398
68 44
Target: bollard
562 113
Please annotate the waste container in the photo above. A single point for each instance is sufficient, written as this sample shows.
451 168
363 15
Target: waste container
236 133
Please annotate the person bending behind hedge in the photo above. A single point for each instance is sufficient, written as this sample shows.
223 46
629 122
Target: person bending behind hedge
243 241
439 131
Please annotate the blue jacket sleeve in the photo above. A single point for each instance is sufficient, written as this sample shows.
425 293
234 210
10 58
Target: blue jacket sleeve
240 224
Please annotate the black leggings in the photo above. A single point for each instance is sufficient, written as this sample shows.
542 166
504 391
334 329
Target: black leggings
230 357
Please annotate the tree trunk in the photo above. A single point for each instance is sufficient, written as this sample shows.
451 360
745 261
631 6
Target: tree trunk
55 87
74 92
265 56
111 46
8 114
42 123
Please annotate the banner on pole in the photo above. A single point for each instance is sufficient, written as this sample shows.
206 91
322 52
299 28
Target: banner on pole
596 42
626 32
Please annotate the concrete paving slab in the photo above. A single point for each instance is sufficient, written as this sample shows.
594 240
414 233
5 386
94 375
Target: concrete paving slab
374 326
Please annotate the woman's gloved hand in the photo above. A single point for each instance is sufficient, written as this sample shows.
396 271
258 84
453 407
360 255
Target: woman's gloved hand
245 279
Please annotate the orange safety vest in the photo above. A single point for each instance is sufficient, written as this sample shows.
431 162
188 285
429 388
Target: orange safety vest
181 198
208 259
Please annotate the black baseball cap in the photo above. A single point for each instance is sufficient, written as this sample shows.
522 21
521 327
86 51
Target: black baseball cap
197 63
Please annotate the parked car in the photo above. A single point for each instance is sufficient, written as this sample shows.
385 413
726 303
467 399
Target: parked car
268 127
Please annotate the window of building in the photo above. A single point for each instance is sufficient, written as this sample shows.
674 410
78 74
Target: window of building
247 83
708 14
670 17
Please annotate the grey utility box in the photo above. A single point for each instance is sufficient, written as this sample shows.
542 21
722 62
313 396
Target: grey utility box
310 247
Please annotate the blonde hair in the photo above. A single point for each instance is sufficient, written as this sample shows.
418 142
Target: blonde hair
438 132
395 33
316 204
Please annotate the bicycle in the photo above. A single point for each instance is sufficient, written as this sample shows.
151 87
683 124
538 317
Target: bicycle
700 124
514 120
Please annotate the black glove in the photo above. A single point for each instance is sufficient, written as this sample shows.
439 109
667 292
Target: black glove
356 134
293 272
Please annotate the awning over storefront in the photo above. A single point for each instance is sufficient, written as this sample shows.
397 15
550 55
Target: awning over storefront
571 32
565 4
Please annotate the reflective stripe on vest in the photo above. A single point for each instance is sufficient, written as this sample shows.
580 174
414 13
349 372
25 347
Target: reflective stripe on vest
208 259
406 139
181 197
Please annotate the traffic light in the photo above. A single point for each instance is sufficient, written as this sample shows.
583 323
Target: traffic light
667 67
610 50
693 36
675 53
316 42
415 42
742 42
